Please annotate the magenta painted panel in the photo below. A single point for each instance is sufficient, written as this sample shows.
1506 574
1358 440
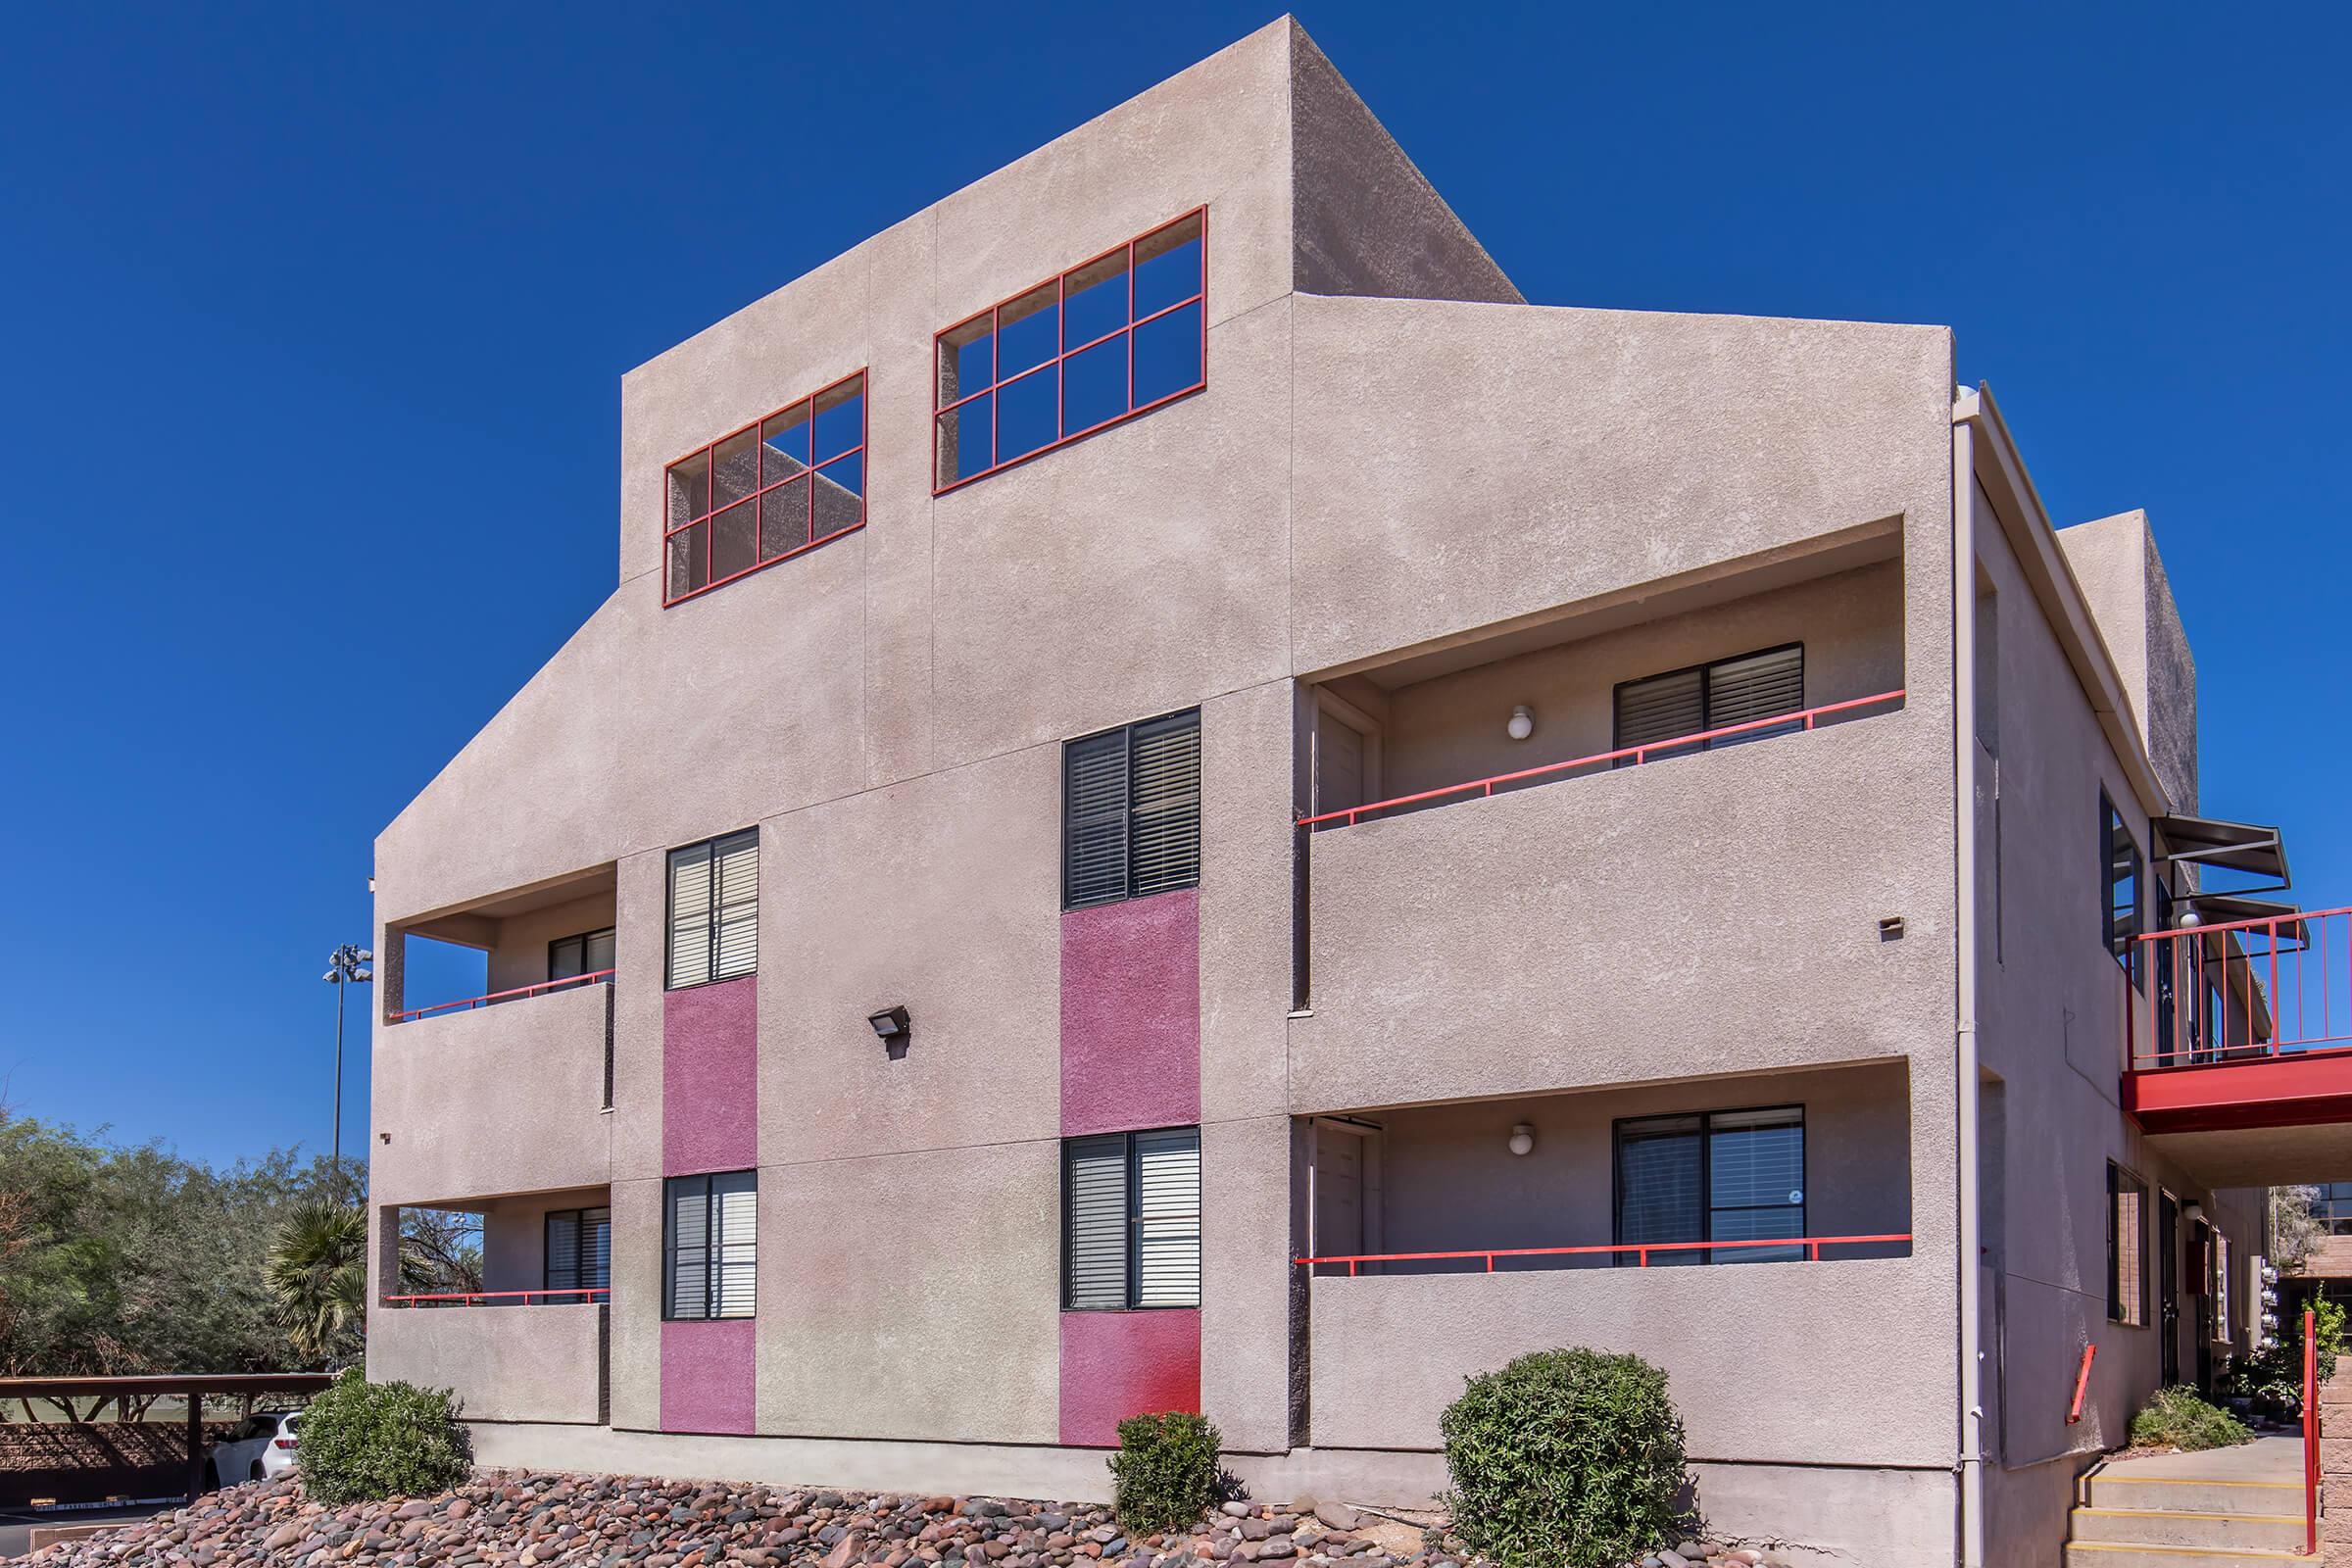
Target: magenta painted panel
1118 1364
711 1077
1131 1014
706 1376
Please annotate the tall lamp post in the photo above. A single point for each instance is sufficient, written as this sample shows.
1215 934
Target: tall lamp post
346 967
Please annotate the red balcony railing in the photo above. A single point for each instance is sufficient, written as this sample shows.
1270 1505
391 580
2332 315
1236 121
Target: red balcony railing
2241 990
1640 1251
599 977
564 1297
1624 757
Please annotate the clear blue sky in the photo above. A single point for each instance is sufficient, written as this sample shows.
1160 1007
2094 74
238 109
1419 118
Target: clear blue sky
314 318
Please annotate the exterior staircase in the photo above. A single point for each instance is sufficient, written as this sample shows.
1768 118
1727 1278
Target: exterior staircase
2176 1512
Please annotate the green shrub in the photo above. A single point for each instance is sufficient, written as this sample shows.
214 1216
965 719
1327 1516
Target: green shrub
2178 1418
1166 1473
364 1440
1565 1457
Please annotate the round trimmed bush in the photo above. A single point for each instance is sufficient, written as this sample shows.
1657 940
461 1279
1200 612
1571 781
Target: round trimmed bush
2180 1418
363 1441
1164 1475
1565 1457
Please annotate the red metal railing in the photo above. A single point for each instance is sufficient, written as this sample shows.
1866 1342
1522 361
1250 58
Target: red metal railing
1639 1250
2311 1436
1635 755
599 977
2241 988
2074 1411
564 1297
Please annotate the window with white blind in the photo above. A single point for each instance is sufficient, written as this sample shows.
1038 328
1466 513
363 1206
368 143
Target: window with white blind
1131 811
715 909
2220 1287
711 1245
1131 1220
1710 697
1714 1176
579 1249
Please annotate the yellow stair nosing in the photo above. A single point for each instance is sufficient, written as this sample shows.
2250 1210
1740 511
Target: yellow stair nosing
2188 1513
2225 1555
2098 1476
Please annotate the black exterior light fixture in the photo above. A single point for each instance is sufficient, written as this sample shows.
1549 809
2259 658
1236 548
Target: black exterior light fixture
895 1029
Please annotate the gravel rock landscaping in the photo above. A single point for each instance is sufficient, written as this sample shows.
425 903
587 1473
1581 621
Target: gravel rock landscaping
504 1518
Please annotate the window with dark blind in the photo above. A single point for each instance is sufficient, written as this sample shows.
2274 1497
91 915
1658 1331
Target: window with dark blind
579 1249
589 953
1131 811
710 1245
1131 1220
2127 1247
715 909
1720 1176
1710 697
2121 868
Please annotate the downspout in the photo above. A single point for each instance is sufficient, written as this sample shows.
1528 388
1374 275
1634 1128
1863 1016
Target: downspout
1963 859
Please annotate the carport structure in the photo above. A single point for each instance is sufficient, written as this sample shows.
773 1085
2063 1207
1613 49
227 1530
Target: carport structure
194 1387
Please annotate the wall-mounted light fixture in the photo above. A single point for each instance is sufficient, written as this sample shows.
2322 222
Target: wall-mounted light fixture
2192 1212
1522 724
1523 1139
894 1028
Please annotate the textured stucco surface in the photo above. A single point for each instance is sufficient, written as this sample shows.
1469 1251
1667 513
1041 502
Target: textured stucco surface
1118 1364
1131 1014
449 1121
707 1375
506 1363
2131 599
711 1077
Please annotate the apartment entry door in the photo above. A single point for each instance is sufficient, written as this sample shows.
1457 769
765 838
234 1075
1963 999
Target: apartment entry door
1347 1175
2168 1287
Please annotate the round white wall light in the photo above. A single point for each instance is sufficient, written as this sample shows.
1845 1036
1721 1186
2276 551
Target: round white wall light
1522 724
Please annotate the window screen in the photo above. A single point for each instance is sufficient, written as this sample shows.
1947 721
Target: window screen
2126 1253
1727 693
1131 811
1131 1220
710 1245
579 1249
1723 1176
715 909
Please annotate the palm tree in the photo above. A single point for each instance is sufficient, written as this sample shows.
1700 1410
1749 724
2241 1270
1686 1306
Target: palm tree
318 1274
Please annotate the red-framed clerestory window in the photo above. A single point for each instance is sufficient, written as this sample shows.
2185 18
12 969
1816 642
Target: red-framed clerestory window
1111 338
766 492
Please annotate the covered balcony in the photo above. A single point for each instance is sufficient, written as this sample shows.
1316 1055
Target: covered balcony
1728 1230
1714 788
499 1077
2237 1049
529 1344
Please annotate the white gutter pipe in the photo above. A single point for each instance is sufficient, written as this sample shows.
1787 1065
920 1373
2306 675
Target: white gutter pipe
1963 858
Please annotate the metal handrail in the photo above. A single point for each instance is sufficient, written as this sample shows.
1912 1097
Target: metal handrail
1642 1250
598 977
2311 1435
586 1294
1805 717
2267 985
2074 1411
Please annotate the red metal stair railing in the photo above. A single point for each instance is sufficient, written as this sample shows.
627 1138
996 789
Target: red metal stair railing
2311 1436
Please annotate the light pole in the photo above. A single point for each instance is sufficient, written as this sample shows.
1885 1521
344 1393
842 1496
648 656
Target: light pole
345 966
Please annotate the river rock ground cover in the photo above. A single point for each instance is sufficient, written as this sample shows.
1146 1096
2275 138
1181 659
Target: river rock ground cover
514 1519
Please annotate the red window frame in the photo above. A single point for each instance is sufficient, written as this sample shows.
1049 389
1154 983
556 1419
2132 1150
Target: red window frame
1065 351
756 504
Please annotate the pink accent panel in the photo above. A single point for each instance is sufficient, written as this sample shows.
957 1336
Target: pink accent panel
1118 1364
706 1376
710 1077
1131 1014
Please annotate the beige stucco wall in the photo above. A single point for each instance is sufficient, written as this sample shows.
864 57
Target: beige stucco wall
2124 582
506 1363
498 1099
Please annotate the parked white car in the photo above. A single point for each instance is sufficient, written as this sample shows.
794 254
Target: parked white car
260 1448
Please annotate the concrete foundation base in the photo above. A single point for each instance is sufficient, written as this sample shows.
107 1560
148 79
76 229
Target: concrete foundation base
1817 1517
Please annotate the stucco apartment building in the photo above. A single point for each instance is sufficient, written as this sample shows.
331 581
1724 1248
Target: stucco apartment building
1158 721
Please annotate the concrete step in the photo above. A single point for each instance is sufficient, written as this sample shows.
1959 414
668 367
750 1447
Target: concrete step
2191 1494
2167 1527
2122 1554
